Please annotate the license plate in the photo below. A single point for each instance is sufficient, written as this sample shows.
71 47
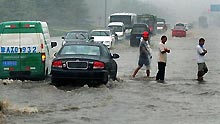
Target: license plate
77 65
9 63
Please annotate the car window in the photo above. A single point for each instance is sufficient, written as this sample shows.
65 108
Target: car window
77 35
179 27
80 50
105 51
138 30
180 24
116 28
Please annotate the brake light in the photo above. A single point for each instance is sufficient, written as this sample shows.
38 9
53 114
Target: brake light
29 26
57 64
10 26
28 68
98 65
11 69
42 46
43 57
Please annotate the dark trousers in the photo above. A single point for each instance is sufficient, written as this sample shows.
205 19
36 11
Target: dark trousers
161 71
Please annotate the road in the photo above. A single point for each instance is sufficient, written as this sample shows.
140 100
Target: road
137 100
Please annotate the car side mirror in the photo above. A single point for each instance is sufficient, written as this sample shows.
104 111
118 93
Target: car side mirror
91 39
63 38
115 56
53 44
55 54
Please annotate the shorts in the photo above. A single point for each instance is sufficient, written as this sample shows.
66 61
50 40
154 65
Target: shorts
202 69
144 61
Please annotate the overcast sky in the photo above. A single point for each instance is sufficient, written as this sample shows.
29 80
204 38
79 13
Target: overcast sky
176 10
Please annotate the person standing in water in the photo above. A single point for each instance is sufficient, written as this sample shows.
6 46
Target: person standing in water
145 54
162 59
201 52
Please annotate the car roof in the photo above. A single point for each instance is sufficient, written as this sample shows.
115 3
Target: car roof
83 43
123 13
140 24
100 30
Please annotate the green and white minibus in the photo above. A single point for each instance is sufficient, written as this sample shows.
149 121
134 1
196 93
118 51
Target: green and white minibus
25 50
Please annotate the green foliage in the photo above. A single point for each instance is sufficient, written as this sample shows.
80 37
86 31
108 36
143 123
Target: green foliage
58 13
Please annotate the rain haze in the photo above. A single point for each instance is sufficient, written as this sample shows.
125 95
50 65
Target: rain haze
172 10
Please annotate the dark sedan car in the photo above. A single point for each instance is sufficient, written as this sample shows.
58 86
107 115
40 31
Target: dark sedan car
75 36
84 61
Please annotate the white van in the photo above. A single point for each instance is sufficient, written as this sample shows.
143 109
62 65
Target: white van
118 28
25 48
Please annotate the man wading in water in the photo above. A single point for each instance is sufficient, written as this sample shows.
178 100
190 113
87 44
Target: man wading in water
145 55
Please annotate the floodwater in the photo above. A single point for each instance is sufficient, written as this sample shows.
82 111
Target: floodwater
128 101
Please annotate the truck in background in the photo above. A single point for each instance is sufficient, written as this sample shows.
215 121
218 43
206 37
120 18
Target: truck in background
150 20
129 19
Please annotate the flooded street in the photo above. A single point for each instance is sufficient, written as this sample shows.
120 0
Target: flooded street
128 101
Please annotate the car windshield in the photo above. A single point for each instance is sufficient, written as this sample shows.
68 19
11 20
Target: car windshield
179 24
80 50
77 35
100 33
138 30
116 28
179 27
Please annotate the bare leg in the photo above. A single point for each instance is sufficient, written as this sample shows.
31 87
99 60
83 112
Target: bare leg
148 73
136 71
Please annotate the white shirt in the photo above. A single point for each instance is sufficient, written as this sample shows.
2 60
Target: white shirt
162 57
200 58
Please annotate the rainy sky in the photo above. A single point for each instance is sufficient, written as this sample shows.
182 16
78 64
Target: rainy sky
172 10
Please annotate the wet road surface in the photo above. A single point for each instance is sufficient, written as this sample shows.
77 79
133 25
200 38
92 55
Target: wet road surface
137 100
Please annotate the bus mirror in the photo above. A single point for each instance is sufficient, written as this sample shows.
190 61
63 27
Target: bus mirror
53 44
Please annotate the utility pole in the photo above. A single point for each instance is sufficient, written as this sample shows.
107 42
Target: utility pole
105 11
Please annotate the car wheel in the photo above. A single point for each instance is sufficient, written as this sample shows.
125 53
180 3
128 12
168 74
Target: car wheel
105 80
131 44
113 76
55 81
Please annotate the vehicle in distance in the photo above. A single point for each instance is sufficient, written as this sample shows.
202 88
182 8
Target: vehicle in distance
161 25
103 36
84 61
179 30
150 20
203 23
118 28
127 18
76 35
136 33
